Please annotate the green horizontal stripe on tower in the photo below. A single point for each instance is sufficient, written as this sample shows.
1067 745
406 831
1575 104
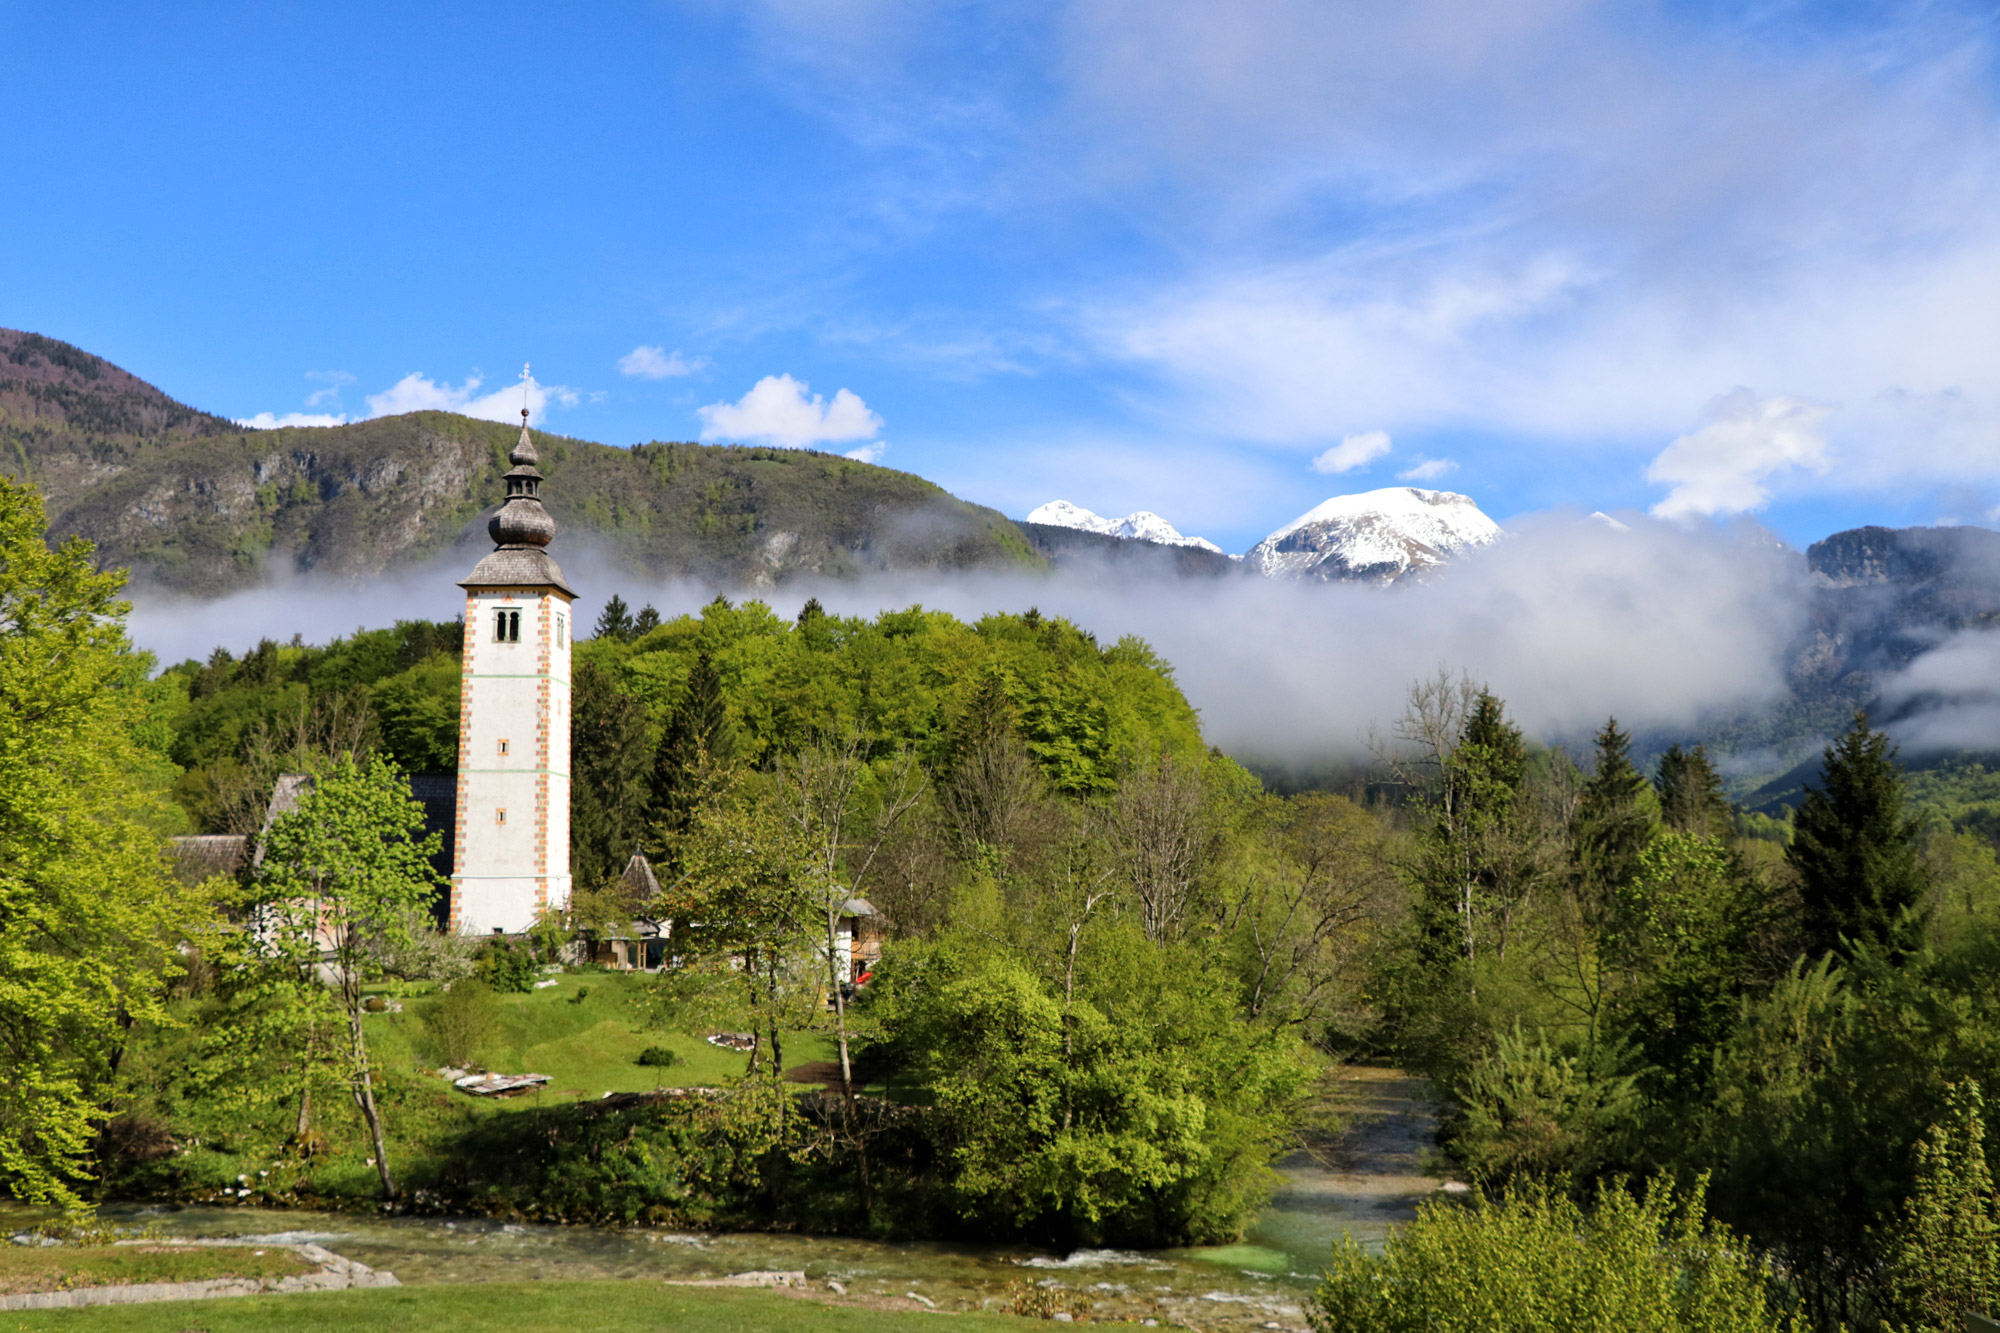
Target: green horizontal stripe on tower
550 772
517 675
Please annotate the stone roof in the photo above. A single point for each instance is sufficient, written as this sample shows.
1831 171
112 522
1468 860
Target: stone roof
196 858
517 567
639 879
285 795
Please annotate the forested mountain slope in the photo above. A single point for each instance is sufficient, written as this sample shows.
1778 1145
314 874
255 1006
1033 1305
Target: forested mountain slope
197 504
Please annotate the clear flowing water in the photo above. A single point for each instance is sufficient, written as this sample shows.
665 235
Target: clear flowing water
1365 1182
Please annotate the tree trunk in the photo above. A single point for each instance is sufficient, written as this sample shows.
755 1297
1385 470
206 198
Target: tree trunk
364 1096
750 983
854 1135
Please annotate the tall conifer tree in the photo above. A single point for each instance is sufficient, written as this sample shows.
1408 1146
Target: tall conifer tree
1854 850
1691 795
609 796
1616 818
615 620
699 737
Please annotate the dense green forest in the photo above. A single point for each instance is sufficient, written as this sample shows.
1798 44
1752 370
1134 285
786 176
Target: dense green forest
1725 1070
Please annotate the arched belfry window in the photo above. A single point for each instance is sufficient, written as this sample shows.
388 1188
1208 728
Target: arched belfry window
507 626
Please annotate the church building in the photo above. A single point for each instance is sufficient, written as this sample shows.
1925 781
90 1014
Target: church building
511 841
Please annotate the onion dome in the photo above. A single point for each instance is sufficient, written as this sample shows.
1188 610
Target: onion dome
522 521
520 529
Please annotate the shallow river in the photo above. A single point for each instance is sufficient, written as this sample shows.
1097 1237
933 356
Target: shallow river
1364 1183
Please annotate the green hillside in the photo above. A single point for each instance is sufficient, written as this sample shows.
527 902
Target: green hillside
196 504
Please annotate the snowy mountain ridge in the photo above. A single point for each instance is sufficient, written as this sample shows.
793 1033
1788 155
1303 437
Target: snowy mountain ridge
1376 536
1143 525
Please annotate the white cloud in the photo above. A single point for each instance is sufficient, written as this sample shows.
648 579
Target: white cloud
1721 468
1428 469
656 363
869 453
779 411
1352 452
1947 699
416 392
271 421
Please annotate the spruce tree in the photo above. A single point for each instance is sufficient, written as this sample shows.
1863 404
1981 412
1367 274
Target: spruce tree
647 620
1854 850
1473 854
1615 819
615 621
698 738
1691 795
608 794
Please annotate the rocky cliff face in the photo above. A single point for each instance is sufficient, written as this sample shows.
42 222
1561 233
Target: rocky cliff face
1881 596
1375 537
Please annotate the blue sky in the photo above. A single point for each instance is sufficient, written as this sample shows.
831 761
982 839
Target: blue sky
1705 259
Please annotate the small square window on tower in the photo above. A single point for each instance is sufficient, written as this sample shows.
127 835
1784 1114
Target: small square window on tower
500 815
503 747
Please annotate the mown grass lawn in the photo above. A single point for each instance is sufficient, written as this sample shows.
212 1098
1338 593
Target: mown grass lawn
513 1307
586 1033
57 1268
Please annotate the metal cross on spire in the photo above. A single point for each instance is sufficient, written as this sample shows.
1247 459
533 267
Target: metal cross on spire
526 380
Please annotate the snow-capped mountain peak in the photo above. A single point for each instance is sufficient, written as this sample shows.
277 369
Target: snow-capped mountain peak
1143 525
1380 536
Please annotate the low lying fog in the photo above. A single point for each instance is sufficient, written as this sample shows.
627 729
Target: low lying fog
1569 620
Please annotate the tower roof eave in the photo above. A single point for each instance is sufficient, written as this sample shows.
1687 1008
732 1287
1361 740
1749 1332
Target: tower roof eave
517 567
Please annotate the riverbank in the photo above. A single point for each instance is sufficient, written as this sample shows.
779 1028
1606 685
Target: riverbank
522 1307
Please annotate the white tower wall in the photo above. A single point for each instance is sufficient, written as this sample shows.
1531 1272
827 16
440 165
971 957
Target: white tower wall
511 855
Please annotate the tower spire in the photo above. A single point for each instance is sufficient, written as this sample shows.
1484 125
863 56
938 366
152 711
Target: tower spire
521 528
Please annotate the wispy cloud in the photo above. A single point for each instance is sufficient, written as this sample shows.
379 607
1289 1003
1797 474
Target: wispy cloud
656 363
1428 469
1722 468
783 411
334 380
1352 452
869 453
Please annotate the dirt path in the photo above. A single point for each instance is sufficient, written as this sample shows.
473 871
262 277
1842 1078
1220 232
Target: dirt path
1364 1180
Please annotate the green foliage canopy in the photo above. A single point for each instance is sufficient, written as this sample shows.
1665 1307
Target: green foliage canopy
90 920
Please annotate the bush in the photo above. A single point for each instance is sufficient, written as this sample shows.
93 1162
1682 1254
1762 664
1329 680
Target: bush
461 1021
657 1057
422 952
1538 1263
508 967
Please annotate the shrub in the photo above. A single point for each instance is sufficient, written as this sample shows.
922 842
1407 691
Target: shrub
508 967
422 952
1538 1263
657 1057
461 1021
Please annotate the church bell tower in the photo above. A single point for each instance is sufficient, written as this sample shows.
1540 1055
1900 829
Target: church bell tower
511 844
